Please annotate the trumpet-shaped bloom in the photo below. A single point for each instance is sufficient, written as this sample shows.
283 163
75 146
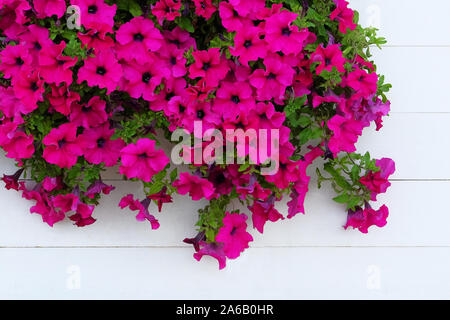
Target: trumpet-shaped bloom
62 147
234 235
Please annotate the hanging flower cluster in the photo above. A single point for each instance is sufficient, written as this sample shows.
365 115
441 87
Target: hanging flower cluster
91 84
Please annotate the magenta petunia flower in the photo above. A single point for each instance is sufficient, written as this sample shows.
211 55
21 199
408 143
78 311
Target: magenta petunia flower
378 182
54 66
213 250
328 58
230 17
96 14
364 219
12 181
62 146
181 38
209 66
343 15
13 16
15 60
272 82
234 235
98 146
20 146
103 71
204 8
136 38
48 8
61 99
142 207
35 39
167 9
52 183
141 160
11 106
345 134
142 80
91 115
248 45
248 7
174 59
282 35
365 84
263 212
198 188
232 98
29 88
96 40
43 206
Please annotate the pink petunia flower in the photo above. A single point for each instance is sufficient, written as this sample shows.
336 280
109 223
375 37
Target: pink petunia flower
11 106
13 16
12 181
98 146
343 15
248 7
263 212
209 66
328 58
204 8
378 182
282 35
61 99
15 60
96 40
232 98
136 38
214 250
62 147
141 160
197 187
142 207
91 115
29 88
167 9
230 17
48 8
54 66
365 84
234 235
248 45
345 134
181 38
103 70
364 219
96 14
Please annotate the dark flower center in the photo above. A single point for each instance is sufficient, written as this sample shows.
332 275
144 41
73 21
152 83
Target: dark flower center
61 143
286 31
146 77
233 231
138 37
101 142
19 61
327 61
34 87
175 42
173 61
200 114
181 108
220 178
235 99
101 71
271 76
143 156
37 46
169 96
92 9
206 66
247 44
85 109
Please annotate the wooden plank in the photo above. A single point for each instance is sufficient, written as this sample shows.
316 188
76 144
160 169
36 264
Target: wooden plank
266 273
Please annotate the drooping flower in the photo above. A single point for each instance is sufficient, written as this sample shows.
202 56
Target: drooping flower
161 197
263 212
198 188
43 206
214 250
363 219
209 66
12 181
234 235
98 146
167 9
103 71
378 182
344 15
136 38
141 160
365 84
142 207
62 148
52 183
48 8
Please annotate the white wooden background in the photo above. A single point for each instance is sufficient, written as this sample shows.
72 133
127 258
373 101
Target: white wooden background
309 257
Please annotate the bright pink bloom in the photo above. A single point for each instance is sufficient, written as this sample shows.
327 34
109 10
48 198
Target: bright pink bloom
15 60
80 221
282 36
20 146
181 38
204 8
365 84
98 146
142 207
248 45
136 38
328 58
378 182
232 98
12 181
234 235
13 16
11 106
209 66
364 219
344 15
62 147
248 7
161 197
50 184
35 39
29 88
91 115
96 14
43 206
175 60
66 202
141 160
197 187
167 9
345 134
61 99
54 66
48 8
263 212
97 40
229 17
214 250
103 70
